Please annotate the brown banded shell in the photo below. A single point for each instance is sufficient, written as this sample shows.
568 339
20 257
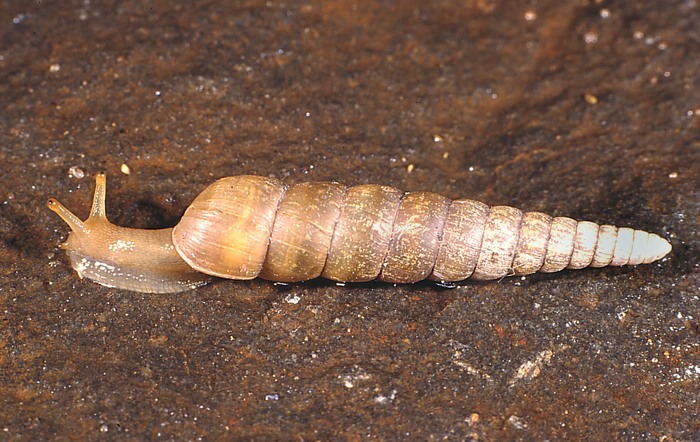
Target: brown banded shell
226 230
247 226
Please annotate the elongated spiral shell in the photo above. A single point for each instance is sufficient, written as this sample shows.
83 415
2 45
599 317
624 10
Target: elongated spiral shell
245 226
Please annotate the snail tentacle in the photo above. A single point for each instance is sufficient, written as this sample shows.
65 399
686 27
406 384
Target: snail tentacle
132 259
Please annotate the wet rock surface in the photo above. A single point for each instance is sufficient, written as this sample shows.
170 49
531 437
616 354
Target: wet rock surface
584 109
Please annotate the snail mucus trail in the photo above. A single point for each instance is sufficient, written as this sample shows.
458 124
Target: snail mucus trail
243 227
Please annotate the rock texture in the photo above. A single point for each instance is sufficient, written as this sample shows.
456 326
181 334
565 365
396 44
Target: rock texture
583 109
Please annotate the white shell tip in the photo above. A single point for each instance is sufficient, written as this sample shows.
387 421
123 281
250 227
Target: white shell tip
657 248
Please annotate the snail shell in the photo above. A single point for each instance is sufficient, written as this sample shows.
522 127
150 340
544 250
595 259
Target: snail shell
246 226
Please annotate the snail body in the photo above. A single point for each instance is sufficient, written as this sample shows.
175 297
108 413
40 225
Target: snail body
246 226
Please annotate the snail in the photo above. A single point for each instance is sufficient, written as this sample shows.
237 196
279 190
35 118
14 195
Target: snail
243 227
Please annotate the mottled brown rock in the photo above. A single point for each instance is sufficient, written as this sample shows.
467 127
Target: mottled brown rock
587 109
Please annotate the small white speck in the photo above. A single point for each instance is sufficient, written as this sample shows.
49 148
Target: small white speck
381 399
530 15
118 246
104 429
76 172
54 67
673 175
605 13
292 298
590 37
80 267
517 422
377 227
99 264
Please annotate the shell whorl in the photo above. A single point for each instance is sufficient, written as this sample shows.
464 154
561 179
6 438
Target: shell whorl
247 226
